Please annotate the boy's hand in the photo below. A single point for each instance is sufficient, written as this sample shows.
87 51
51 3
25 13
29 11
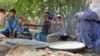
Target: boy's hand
12 37
13 33
10 34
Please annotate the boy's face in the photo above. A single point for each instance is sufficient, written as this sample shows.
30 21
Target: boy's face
21 20
58 18
12 14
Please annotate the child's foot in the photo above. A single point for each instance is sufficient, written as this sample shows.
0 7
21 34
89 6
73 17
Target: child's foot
12 37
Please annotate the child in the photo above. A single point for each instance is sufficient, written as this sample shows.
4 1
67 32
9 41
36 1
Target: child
23 32
56 24
22 28
57 28
47 23
11 26
2 17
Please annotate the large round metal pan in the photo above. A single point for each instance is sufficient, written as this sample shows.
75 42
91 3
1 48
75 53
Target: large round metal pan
32 43
67 45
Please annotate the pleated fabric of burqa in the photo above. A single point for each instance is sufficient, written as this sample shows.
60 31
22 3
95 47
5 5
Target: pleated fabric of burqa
88 29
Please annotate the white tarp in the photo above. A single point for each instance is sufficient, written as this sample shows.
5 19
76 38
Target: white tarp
95 6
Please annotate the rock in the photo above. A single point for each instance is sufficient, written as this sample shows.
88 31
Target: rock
2 36
3 50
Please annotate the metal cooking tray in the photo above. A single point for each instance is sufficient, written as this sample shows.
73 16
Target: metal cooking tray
32 43
67 45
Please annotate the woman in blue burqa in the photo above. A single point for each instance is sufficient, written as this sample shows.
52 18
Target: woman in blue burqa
88 26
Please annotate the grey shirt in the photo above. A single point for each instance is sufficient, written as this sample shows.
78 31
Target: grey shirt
57 28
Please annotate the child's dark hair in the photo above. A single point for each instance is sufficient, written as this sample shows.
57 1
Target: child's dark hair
47 12
1 10
12 10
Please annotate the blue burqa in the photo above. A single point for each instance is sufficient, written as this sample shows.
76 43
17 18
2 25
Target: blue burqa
88 29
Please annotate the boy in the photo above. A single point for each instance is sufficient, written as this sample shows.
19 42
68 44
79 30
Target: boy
2 17
22 28
57 28
11 26
23 31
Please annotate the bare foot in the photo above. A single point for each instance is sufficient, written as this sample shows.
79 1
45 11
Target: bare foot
11 36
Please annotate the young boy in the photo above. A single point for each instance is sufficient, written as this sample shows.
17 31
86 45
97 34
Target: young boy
23 31
47 22
22 28
11 26
2 17
57 29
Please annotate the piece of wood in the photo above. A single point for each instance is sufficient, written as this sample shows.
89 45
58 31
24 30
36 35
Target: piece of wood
36 25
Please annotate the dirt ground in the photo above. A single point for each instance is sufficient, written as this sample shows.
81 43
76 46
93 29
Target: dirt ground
89 52
3 50
85 52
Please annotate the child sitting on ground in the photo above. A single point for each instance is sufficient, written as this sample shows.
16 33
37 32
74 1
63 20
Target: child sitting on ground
22 28
23 32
